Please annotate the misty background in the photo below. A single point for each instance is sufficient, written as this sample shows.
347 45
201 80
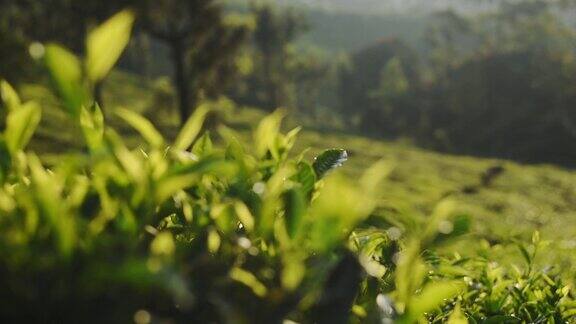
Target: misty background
489 78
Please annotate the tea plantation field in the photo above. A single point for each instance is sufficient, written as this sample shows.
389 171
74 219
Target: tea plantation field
507 200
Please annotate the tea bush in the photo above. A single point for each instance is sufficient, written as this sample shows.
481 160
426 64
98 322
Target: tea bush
215 232
205 228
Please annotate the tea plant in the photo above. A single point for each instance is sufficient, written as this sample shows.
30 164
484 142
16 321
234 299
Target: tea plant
186 230
205 228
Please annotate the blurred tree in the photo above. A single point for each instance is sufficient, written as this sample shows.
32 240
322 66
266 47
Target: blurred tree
393 82
310 71
512 94
450 38
361 83
273 37
201 42
532 25
61 21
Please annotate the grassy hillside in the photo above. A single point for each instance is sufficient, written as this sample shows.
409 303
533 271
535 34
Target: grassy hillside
515 203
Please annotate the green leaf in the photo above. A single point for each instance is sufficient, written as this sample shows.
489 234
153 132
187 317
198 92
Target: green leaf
203 146
9 96
20 126
184 176
457 317
266 134
131 162
294 269
432 297
163 244
66 72
249 280
525 253
371 180
143 126
106 43
213 241
223 217
244 215
92 124
442 212
47 190
295 209
274 188
306 177
336 211
191 129
410 273
329 160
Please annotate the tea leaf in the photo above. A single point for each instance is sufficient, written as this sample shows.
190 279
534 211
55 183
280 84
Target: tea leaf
92 124
338 208
266 134
66 73
203 146
371 180
106 43
244 215
295 206
47 189
457 317
143 126
306 177
293 270
163 244
191 129
249 280
9 96
329 160
213 241
432 296
21 124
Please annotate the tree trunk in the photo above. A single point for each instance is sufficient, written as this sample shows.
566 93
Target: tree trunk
180 80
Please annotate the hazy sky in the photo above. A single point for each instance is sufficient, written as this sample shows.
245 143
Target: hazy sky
389 6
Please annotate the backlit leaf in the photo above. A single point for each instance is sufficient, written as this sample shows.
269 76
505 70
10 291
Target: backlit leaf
191 129
21 124
106 43
244 215
249 280
457 317
66 73
266 134
92 124
203 146
9 96
432 296
295 207
143 126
